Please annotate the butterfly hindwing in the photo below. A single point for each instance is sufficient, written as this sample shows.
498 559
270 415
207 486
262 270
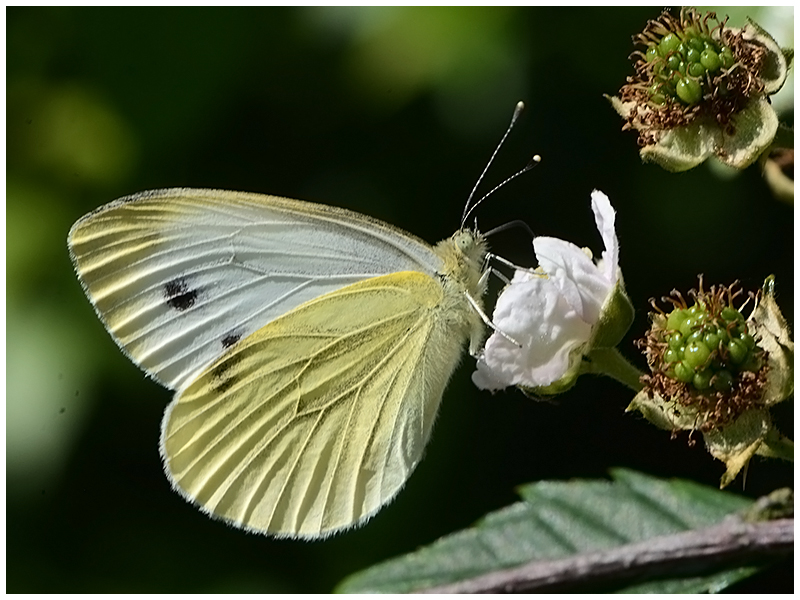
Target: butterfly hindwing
315 421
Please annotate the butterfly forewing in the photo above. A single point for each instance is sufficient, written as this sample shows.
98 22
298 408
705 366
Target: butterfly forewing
179 276
315 421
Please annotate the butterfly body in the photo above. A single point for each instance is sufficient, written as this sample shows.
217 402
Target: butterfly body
308 346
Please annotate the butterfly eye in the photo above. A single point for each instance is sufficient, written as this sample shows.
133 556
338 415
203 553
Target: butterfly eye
464 241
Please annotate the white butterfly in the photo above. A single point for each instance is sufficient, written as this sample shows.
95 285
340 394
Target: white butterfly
308 346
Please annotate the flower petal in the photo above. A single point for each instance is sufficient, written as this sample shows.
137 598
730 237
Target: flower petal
534 313
604 218
550 314
582 284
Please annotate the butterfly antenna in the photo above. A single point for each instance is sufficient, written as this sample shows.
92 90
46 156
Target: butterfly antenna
511 225
517 112
531 163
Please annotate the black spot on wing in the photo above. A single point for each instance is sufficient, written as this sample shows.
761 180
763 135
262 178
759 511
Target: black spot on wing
230 339
224 375
178 294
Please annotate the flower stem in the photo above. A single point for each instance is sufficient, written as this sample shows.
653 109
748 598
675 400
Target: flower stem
609 362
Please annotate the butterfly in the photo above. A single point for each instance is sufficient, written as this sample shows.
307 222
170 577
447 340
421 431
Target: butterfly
308 346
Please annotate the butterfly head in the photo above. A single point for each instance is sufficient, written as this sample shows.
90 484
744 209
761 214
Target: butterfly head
463 256
469 246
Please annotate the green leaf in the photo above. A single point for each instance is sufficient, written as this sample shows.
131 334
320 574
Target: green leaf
692 585
557 519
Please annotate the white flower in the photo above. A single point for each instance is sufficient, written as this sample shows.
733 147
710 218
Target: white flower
552 312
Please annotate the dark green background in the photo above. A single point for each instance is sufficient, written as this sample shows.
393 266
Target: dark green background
393 113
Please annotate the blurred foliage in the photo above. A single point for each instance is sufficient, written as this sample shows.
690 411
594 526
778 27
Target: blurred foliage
389 111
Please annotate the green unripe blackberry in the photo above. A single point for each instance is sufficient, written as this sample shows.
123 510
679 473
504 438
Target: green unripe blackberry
726 56
687 52
722 381
696 69
673 355
731 315
710 60
668 43
712 340
702 379
707 345
696 335
737 351
696 354
684 372
749 340
676 317
688 325
675 340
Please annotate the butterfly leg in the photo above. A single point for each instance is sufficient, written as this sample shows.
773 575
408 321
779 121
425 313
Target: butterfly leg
474 351
508 263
